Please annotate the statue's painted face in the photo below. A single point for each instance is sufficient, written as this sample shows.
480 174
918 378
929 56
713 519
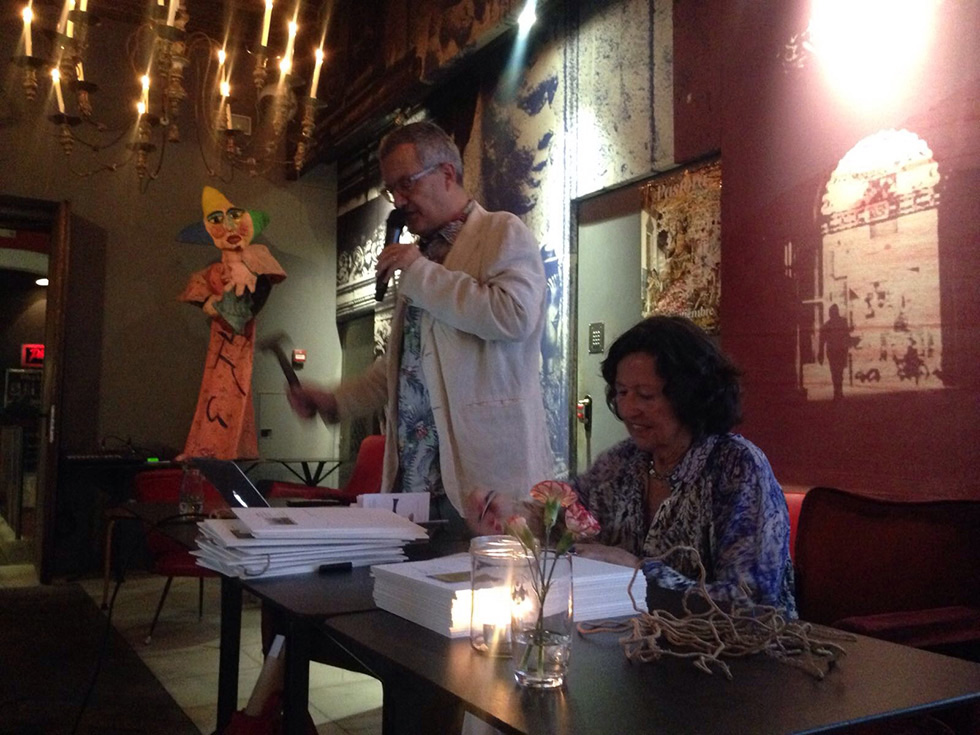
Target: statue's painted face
230 229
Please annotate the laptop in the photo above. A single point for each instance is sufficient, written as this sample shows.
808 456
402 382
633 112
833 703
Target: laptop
231 481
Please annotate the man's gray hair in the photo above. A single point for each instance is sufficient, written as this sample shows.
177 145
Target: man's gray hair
432 145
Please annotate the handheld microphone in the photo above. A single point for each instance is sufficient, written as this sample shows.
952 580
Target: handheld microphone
393 230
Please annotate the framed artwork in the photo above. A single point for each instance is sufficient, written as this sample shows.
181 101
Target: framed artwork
22 386
681 249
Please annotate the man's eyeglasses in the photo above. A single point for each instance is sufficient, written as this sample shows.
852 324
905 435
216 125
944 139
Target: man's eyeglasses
405 184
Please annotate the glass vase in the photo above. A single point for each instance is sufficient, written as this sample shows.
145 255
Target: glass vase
494 560
541 620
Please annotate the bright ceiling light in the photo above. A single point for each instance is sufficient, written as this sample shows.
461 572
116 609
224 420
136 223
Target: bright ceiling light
527 18
870 49
41 281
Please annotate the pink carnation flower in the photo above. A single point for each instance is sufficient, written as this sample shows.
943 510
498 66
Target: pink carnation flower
580 522
553 490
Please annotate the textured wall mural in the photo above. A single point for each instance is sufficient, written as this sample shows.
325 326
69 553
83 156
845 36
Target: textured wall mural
876 323
681 256
581 118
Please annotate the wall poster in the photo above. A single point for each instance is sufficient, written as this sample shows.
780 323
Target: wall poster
681 249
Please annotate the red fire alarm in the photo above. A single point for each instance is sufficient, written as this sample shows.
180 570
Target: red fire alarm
299 357
32 355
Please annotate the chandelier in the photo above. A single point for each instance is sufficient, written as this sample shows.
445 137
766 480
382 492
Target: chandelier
251 127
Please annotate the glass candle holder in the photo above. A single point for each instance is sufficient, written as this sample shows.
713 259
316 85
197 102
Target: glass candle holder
494 559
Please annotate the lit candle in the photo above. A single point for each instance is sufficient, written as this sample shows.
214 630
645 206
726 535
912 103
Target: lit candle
28 15
225 91
145 83
69 26
266 21
56 77
221 57
171 11
316 73
140 110
287 60
79 72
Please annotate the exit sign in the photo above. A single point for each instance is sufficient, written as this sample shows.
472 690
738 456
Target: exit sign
32 355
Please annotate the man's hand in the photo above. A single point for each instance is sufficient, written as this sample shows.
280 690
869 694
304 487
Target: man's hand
611 554
394 257
308 402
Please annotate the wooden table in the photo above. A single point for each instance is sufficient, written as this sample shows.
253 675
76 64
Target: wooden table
604 693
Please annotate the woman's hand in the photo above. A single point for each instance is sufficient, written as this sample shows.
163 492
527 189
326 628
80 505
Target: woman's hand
611 554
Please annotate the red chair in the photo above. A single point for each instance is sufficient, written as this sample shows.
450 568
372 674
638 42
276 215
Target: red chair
365 478
169 557
907 572
794 503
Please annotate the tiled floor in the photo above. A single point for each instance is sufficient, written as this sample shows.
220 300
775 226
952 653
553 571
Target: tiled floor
183 654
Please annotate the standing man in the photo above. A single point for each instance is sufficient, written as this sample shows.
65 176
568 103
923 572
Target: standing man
460 377
835 342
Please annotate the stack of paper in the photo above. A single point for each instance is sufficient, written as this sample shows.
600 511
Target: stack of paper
269 542
437 594
414 506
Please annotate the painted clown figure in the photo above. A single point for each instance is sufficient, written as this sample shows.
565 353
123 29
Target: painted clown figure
231 292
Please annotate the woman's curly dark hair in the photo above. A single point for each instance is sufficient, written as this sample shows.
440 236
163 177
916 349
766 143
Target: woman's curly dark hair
700 382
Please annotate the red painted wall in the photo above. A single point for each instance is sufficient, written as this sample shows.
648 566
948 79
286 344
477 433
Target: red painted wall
781 134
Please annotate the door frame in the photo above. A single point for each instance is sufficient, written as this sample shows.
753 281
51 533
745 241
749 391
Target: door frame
54 217
617 201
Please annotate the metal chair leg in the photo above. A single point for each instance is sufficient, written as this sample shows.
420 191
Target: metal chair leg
156 615
107 561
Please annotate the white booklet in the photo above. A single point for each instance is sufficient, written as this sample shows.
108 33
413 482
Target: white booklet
349 523
232 533
413 506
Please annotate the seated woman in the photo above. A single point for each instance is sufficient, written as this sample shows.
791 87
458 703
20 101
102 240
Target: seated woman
682 479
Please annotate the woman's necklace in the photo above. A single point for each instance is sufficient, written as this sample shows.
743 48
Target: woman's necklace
661 476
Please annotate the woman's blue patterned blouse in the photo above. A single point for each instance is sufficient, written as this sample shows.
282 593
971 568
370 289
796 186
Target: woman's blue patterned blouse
724 501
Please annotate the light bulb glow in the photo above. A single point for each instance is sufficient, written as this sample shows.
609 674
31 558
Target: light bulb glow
225 88
527 18
870 49
221 57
